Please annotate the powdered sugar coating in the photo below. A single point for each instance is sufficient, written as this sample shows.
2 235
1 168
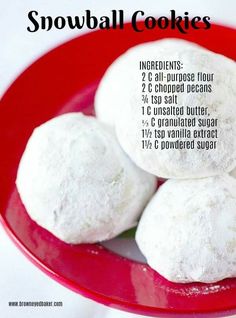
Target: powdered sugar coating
111 93
188 230
76 181
233 173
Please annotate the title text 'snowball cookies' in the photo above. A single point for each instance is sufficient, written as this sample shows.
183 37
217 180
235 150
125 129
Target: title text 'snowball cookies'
188 230
75 180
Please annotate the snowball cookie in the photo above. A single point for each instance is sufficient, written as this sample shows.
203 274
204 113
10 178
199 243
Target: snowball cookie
188 230
75 180
220 103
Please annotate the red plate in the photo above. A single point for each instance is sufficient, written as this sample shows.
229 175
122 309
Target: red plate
65 80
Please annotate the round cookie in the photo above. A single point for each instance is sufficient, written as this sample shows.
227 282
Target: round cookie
75 180
188 230
123 107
